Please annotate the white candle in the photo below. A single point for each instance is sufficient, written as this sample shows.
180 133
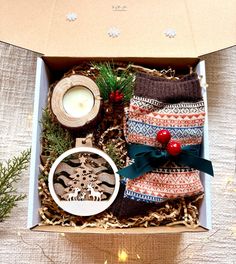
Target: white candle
78 101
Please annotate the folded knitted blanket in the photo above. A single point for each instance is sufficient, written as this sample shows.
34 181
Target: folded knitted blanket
159 103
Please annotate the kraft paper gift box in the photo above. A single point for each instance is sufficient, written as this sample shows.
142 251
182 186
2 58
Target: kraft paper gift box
154 33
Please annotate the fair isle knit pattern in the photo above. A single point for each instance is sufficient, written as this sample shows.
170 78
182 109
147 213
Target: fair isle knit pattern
166 184
185 121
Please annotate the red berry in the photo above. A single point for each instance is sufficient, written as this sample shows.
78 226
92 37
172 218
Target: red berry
163 136
173 148
118 96
121 96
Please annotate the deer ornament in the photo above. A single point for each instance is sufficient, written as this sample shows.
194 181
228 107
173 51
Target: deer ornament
97 196
73 196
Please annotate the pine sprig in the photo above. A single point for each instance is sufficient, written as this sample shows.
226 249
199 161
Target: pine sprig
110 80
55 138
9 175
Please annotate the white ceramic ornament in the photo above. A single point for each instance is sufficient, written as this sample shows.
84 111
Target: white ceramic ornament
86 197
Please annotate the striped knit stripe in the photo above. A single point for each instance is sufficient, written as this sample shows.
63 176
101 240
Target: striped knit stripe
143 197
148 130
140 139
169 120
150 103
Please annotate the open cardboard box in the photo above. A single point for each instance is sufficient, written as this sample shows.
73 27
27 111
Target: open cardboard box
47 69
42 26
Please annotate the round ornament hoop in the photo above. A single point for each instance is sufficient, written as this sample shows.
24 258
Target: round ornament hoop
83 207
60 90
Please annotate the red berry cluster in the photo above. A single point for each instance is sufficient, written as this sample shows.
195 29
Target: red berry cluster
172 147
116 96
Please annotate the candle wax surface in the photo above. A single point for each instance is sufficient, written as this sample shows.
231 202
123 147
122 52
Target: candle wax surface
78 101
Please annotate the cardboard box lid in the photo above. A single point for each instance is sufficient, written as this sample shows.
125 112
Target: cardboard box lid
201 27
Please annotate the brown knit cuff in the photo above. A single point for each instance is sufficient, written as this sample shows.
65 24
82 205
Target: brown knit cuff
124 208
186 89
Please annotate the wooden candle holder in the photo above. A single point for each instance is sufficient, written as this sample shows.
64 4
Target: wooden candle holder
57 100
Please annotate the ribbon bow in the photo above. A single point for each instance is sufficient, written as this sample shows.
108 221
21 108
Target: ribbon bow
147 158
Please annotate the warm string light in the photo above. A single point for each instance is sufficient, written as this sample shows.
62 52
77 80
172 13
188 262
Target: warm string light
230 184
229 180
234 230
122 255
29 121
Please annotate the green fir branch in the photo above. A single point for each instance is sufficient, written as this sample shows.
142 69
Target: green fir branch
9 175
56 140
110 80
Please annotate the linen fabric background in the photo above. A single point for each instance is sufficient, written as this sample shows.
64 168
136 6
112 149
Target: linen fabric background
19 245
